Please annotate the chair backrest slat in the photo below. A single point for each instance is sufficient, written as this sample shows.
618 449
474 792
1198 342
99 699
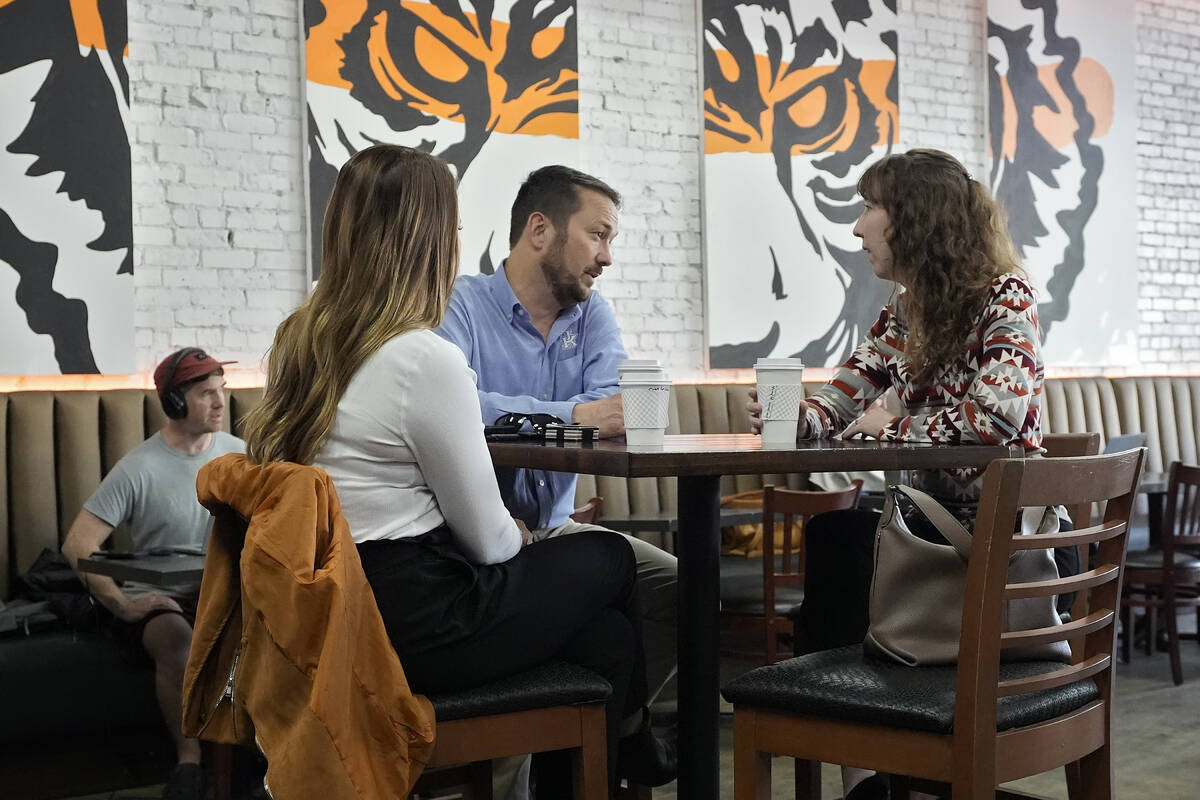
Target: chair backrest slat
1093 533
1092 622
1052 680
1073 583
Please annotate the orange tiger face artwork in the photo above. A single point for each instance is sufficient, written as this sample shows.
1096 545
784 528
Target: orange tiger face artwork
491 87
1060 105
66 234
799 98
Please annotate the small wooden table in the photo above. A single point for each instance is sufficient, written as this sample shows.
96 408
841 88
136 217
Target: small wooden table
699 461
171 569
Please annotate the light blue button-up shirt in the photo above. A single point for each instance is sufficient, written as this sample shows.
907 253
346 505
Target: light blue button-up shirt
522 372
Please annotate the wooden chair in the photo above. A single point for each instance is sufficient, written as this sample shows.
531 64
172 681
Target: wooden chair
1168 579
555 706
982 722
589 512
758 593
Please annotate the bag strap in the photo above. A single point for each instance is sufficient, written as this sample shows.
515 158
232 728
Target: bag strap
942 519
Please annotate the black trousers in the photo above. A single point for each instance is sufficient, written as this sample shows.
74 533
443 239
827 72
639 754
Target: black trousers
839 552
456 625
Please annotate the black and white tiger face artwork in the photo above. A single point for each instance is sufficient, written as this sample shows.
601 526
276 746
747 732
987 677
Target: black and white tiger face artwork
799 98
491 86
66 238
1061 112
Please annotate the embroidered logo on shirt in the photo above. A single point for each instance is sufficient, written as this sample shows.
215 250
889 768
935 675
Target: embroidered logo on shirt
569 340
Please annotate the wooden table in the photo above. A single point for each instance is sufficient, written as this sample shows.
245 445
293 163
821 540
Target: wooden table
171 569
699 461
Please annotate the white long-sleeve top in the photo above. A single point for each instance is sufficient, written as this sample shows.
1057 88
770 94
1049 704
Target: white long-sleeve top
407 453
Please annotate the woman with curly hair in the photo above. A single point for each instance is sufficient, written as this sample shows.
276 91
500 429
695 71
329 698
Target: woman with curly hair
960 345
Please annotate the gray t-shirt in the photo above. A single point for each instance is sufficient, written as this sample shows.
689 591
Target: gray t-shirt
153 490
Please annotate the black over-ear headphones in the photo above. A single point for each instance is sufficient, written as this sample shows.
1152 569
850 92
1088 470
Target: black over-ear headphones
174 404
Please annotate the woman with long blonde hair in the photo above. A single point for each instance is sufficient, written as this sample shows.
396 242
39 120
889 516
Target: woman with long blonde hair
958 342
360 386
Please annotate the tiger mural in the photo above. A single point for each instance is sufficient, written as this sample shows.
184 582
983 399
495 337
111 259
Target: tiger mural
491 86
798 99
1053 125
66 233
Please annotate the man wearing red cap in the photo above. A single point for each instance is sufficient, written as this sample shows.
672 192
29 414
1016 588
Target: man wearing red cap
153 490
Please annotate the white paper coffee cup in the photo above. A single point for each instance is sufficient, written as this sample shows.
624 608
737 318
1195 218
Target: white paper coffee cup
781 393
645 402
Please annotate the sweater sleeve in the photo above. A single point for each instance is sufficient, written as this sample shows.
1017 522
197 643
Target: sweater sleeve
444 429
855 385
997 399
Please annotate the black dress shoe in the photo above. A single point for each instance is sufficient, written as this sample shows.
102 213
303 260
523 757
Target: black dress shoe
646 759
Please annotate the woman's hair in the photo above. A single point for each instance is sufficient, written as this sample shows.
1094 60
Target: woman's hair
949 241
389 254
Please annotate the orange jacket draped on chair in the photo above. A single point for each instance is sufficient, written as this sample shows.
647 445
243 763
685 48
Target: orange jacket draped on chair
289 649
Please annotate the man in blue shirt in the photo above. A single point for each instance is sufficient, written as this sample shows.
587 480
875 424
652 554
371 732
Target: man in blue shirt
542 341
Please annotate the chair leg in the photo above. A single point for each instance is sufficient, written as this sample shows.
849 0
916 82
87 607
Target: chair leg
808 779
1151 630
220 769
1169 612
589 762
751 768
1090 778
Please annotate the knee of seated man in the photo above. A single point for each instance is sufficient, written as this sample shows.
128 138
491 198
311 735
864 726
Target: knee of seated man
167 638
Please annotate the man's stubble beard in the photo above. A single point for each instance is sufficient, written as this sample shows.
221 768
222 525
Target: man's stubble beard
567 292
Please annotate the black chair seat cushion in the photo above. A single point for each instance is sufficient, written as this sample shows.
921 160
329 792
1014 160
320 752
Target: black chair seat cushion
844 684
742 588
555 683
1153 559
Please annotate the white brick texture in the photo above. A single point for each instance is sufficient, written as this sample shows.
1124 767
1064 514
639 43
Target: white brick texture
218 165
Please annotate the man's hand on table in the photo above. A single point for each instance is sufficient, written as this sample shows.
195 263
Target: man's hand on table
606 414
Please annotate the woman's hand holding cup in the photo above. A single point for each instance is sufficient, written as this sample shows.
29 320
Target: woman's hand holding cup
754 410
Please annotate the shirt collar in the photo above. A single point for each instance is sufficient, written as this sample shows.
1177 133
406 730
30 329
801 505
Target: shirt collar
506 298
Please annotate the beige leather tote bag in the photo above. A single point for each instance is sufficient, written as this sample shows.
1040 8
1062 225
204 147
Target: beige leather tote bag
917 588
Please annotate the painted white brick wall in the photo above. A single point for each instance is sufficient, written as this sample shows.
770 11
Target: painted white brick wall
640 131
1168 82
218 191
218 164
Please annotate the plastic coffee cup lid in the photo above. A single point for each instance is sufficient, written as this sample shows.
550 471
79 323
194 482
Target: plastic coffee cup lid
779 363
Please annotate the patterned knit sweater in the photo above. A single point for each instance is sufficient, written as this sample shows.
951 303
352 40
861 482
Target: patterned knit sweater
992 394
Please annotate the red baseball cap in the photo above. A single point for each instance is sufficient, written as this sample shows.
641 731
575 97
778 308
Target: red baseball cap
185 365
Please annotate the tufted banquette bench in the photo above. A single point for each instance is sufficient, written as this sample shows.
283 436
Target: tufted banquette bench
78 716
